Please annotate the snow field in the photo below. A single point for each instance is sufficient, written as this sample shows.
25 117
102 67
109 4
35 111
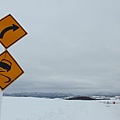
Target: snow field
21 108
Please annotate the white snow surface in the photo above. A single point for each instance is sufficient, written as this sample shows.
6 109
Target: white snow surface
28 108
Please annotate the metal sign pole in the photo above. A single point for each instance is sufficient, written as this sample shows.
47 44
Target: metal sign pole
1 94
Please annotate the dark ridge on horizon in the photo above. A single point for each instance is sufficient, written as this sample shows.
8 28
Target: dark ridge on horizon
60 95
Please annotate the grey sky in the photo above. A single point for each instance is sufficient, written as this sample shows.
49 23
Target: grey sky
71 46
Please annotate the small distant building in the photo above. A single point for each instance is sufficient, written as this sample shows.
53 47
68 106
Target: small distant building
117 97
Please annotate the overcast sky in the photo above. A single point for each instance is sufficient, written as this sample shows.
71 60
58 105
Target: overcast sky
72 46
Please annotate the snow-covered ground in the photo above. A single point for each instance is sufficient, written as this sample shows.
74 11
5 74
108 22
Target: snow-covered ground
19 108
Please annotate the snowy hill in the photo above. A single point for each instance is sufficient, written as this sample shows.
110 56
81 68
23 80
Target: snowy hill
28 108
39 95
58 95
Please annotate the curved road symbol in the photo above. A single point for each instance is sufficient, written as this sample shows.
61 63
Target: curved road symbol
13 27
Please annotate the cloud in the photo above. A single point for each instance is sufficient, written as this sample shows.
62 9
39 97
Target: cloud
71 45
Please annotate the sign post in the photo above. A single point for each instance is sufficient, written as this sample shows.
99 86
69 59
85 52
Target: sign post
10 32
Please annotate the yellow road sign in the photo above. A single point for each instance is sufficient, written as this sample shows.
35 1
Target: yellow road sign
10 31
9 70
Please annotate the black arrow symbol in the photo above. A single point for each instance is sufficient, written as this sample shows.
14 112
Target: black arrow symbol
13 27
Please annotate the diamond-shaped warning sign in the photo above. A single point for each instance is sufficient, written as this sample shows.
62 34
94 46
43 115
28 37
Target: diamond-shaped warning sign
10 31
9 70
